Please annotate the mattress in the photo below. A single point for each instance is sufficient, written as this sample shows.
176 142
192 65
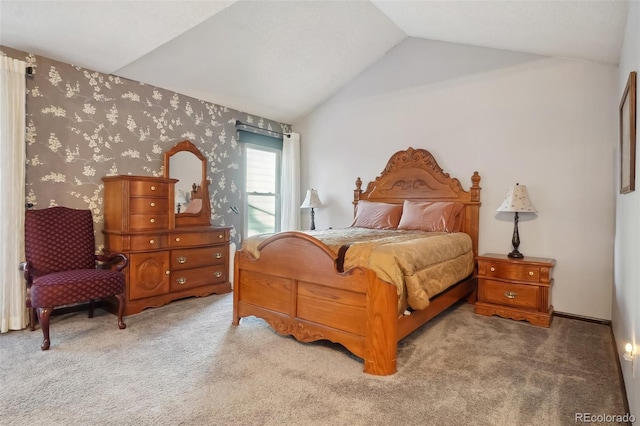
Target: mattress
420 264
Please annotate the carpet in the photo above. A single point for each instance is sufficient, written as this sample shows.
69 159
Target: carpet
185 364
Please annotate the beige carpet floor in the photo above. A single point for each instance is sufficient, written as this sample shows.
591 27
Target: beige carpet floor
185 364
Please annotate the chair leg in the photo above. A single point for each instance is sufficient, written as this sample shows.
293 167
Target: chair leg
121 302
43 316
32 318
92 304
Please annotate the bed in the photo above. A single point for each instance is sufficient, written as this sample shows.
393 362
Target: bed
299 287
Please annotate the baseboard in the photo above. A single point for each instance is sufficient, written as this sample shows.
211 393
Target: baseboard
582 318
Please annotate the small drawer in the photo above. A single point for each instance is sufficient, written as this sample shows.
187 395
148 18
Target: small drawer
152 189
198 239
148 242
189 278
500 293
509 271
148 221
149 205
199 257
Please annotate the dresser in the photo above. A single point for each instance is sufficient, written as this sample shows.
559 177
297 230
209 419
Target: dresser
165 262
519 289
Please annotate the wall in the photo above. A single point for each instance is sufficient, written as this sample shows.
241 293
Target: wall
550 124
626 292
83 125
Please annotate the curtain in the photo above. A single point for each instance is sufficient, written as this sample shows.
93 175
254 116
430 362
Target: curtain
13 314
290 183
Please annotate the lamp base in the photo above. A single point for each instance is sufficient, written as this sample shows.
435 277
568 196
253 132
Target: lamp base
515 254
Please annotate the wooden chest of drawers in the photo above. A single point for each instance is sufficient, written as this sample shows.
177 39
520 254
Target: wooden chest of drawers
165 263
519 289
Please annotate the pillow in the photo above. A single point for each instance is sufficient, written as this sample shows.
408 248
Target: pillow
431 217
376 215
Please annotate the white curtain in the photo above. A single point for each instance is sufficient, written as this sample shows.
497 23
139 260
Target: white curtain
290 183
13 315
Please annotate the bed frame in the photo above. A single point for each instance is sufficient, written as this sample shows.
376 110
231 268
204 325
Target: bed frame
296 288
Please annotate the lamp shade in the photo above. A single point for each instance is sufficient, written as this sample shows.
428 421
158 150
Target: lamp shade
517 200
311 200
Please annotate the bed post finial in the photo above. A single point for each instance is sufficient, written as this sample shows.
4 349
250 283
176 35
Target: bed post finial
356 194
475 187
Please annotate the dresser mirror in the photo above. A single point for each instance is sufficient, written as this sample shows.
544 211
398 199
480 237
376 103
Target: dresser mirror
186 163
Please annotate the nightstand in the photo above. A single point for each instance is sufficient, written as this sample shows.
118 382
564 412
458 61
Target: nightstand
519 289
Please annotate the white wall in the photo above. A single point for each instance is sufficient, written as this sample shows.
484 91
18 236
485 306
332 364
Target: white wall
626 292
550 124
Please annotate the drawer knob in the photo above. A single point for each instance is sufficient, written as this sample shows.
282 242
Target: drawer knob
167 272
181 259
177 239
152 241
153 204
218 274
218 255
152 220
510 294
181 280
530 273
220 236
492 269
153 188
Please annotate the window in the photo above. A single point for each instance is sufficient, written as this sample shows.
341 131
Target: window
262 189
263 157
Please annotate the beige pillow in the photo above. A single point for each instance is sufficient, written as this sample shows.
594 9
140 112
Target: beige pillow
377 215
431 216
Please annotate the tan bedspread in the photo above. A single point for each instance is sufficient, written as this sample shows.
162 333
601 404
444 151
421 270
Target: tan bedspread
420 264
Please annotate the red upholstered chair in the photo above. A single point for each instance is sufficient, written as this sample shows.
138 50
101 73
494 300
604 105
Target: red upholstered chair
61 266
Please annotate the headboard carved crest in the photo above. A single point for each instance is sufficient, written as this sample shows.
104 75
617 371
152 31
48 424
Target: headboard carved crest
413 172
408 184
421 157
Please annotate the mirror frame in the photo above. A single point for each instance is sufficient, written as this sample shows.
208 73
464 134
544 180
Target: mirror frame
203 217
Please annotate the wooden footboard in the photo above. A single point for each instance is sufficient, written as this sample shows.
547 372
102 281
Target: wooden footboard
296 288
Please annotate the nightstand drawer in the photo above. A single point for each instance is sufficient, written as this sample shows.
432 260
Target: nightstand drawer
500 293
509 271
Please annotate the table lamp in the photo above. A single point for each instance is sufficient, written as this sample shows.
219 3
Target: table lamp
517 201
312 201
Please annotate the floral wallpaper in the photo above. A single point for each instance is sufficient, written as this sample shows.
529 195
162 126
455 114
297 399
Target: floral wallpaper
83 125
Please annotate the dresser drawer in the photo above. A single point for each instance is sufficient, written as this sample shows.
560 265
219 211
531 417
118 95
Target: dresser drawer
509 271
195 258
148 221
148 205
148 242
189 278
508 294
152 189
189 239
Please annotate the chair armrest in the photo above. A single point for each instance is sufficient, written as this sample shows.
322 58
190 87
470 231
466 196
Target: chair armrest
26 270
121 259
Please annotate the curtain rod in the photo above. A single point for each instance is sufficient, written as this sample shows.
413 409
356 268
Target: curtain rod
240 123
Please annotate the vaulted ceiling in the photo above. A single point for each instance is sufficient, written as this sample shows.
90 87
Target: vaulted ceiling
281 59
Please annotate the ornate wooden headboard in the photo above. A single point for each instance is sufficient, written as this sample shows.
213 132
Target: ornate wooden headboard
415 175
